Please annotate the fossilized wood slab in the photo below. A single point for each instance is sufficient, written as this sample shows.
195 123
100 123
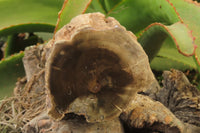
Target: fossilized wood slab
95 67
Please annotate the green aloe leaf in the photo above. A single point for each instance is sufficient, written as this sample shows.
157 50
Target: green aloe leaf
155 34
109 4
168 57
135 15
160 63
189 12
70 9
28 15
95 6
11 69
30 27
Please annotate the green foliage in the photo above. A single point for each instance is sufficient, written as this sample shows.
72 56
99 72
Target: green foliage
169 57
189 12
107 5
136 15
18 12
158 21
21 16
165 28
30 27
11 69
154 36
71 9
95 6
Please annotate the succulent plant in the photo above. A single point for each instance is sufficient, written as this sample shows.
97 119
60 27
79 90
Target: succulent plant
165 28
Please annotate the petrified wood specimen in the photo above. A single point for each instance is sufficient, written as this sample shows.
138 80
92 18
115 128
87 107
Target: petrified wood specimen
95 67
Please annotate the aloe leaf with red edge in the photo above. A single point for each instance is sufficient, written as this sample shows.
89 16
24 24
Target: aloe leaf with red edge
189 12
135 15
138 14
11 69
29 27
18 14
70 9
27 18
168 57
154 35
109 4
95 6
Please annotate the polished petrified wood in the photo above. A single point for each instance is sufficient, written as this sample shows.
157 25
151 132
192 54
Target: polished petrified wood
94 68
